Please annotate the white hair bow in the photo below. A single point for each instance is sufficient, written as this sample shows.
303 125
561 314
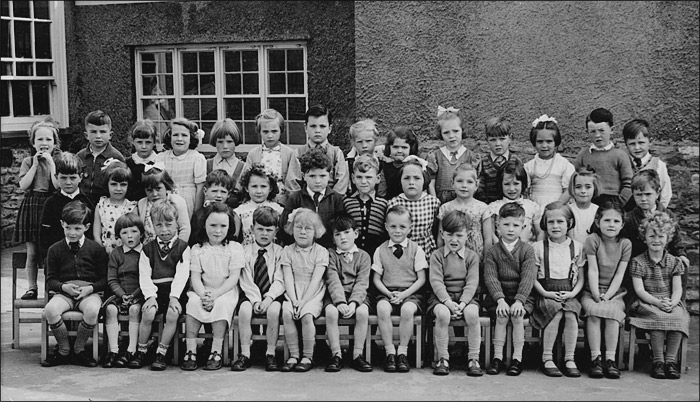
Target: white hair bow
199 134
542 119
158 165
442 110
109 162
421 161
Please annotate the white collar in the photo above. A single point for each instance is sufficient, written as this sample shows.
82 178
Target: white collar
71 196
646 159
422 195
460 252
509 246
170 243
232 161
372 195
277 148
403 244
258 247
180 157
354 249
505 155
138 248
139 160
605 148
460 151
81 241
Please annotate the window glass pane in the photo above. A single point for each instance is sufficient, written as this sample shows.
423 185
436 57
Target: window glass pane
23 39
296 83
209 109
168 62
206 62
250 61
250 135
21 8
40 97
295 60
41 10
206 84
191 108
44 69
280 105
233 84
7 69
251 108
189 62
206 126
190 84
6 44
168 79
42 45
20 98
149 84
297 108
148 65
250 84
232 61
297 135
234 109
276 58
5 104
278 83
25 69
5 11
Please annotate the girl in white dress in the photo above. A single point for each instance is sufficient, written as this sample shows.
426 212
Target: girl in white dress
111 208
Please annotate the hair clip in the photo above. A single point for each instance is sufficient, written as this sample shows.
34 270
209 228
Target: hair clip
590 168
421 161
109 162
442 110
199 134
542 119
158 165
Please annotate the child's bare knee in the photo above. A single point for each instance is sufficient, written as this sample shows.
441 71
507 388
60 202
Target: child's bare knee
331 313
408 310
307 319
111 312
442 314
384 308
273 312
148 316
362 313
502 321
517 320
171 316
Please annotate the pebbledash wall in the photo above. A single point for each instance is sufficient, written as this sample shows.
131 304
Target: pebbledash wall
397 61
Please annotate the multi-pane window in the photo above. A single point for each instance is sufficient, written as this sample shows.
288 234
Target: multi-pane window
33 62
206 84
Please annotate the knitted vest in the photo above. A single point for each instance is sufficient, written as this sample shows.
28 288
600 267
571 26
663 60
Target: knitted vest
398 272
164 269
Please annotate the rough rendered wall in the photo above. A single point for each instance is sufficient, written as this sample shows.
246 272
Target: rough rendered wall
523 59
101 41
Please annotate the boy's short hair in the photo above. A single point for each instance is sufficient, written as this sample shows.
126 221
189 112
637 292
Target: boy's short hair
450 115
98 118
143 129
454 221
224 128
118 171
75 213
154 177
264 215
342 222
399 210
269 114
68 163
634 127
465 167
600 115
305 216
646 177
497 127
315 159
189 125
584 172
219 177
318 111
426 174
564 208
407 134
515 168
129 220
46 122
362 126
511 209
164 211
363 163
660 222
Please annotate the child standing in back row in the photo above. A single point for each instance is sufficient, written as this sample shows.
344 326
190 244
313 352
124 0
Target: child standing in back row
443 161
363 136
400 144
225 136
142 136
498 137
548 171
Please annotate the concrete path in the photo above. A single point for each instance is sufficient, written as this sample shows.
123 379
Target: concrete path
23 378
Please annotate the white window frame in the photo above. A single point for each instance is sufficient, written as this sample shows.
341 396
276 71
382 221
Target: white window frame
220 82
58 93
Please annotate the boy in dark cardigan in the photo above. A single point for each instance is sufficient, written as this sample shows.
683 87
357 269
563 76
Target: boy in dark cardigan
76 272
315 194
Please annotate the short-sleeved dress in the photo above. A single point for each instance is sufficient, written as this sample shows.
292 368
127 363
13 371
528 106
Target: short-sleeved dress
477 211
557 269
533 215
584 220
303 261
245 212
549 178
216 264
187 170
609 253
109 213
442 169
423 213
657 279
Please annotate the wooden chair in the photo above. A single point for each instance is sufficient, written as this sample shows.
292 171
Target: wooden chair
72 319
418 336
484 323
123 322
634 341
18 261
256 321
181 334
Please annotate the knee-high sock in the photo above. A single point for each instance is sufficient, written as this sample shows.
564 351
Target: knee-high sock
673 343
84 332
518 340
570 335
60 332
113 337
657 339
133 336
550 336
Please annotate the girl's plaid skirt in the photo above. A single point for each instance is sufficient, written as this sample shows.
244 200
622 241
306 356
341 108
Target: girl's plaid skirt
649 317
613 309
29 217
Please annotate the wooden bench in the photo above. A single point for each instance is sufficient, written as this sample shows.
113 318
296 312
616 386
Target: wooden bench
19 260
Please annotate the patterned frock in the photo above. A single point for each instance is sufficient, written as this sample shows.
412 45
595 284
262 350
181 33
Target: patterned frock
423 213
245 212
186 170
109 213
549 179
303 261
477 212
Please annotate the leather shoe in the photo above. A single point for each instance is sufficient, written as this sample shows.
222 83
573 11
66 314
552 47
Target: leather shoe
110 360
390 363
474 369
289 365
597 370
189 362
335 364
402 364
31 294
242 363
123 360
551 371
214 362
361 365
442 367
515 367
271 363
137 361
657 370
303 366
84 358
672 372
571 371
610 369
495 367
56 359
159 363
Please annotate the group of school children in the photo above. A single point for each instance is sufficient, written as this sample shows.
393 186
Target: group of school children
305 232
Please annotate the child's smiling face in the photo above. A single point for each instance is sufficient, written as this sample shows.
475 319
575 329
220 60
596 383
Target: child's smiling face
639 146
584 189
512 187
398 226
544 143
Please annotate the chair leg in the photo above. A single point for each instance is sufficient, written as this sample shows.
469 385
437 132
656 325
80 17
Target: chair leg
621 348
96 342
633 347
15 328
368 344
236 340
44 339
487 345
419 343
683 362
